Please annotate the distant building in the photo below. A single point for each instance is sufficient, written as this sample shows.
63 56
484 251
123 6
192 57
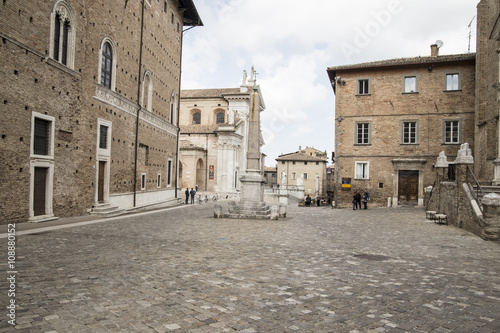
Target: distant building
486 148
305 167
90 95
214 136
270 177
393 119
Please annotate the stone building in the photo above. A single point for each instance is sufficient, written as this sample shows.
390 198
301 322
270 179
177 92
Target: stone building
393 118
305 167
214 127
270 177
487 152
89 116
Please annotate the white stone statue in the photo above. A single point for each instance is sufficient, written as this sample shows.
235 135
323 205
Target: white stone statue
244 80
464 155
442 160
300 181
284 180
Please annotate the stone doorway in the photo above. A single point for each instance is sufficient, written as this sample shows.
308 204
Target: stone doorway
408 187
40 191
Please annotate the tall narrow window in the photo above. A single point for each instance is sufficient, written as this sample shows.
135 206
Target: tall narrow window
106 65
362 133
103 137
62 33
452 82
169 173
41 139
143 181
362 169
220 118
409 132
196 118
363 87
452 131
158 181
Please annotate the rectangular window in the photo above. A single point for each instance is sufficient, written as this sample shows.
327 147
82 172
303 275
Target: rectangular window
103 137
158 181
169 173
317 163
410 84
294 175
41 138
409 132
362 170
305 163
143 181
363 87
305 175
165 6
452 131
452 82
362 133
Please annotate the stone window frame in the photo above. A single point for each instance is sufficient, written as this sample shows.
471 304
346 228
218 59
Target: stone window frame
62 9
415 76
196 120
147 92
170 171
304 176
356 133
459 129
448 73
158 180
294 176
143 181
112 44
51 135
173 108
409 121
217 112
368 88
367 170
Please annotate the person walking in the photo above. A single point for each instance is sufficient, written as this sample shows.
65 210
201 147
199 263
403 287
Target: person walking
318 200
358 200
366 198
187 195
193 193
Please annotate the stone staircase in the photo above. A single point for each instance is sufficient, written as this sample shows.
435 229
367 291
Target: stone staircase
487 188
106 210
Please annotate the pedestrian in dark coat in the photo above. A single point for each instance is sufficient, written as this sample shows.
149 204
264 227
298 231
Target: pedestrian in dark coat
366 197
193 193
358 199
187 195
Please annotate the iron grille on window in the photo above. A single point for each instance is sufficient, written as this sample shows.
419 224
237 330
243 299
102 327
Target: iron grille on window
106 65
41 137
103 137
220 118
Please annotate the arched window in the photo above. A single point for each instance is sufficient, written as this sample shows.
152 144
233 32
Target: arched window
220 118
147 91
106 65
196 118
62 31
173 108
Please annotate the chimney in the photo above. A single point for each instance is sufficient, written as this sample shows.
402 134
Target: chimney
434 50
300 149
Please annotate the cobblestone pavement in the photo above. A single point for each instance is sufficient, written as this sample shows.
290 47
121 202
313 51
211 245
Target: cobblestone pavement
319 270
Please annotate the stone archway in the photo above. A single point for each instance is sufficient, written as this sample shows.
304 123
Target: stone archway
200 175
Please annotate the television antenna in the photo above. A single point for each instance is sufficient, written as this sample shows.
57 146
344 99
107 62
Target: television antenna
470 32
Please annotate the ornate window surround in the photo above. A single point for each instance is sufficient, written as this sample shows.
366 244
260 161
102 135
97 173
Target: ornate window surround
66 13
113 64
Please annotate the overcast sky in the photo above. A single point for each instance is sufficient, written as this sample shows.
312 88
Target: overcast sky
291 43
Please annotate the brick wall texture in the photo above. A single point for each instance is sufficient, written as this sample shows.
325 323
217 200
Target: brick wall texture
32 82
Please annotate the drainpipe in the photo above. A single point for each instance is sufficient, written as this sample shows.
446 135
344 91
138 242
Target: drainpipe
138 103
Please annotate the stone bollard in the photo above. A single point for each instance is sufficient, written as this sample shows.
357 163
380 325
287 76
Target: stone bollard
274 213
283 211
217 211
491 213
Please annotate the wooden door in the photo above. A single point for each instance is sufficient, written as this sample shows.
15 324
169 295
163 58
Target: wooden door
39 191
408 185
100 185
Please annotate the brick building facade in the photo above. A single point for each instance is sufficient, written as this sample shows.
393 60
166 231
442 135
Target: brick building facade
487 153
305 167
394 117
77 75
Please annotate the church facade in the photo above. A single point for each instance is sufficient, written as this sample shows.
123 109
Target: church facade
214 126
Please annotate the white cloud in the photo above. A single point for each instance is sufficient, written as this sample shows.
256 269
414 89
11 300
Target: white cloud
291 43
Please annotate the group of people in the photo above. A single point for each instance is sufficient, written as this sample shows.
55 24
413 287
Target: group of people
356 200
192 193
318 200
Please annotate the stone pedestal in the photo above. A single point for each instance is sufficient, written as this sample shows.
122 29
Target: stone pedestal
251 205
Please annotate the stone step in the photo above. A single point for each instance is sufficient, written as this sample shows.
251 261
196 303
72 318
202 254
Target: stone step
106 210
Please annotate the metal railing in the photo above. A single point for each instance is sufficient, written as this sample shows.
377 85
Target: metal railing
473 182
